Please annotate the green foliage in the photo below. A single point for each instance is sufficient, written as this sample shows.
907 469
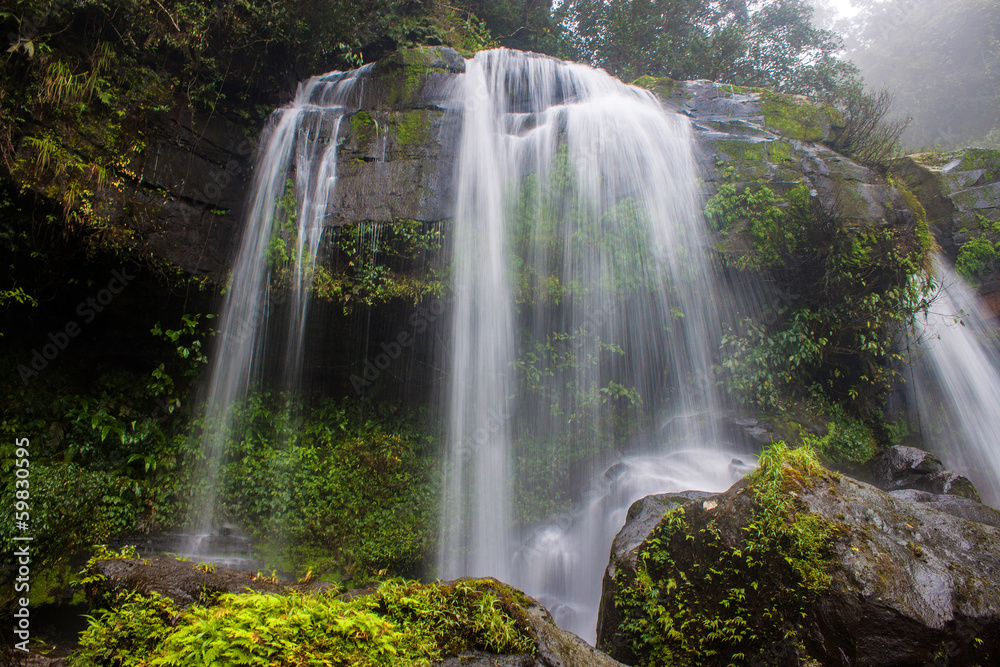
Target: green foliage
772 43
855 290
402 623
848 439
762 368
187 342
776 226
346 489
72 508
704 598
127 634
363 265
981 252
106 460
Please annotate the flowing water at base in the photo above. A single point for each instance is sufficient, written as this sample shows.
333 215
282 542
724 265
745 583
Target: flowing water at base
563 562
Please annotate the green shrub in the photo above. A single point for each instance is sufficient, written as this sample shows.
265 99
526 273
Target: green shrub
982 250
854 291
346 488
848 439
402 623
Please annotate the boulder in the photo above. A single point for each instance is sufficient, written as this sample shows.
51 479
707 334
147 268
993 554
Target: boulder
187 583
908 578
901 467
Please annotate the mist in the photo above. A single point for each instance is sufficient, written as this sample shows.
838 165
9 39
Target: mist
940 59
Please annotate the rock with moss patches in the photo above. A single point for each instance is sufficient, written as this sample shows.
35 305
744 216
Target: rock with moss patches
961 192
753 138
914 579
186 583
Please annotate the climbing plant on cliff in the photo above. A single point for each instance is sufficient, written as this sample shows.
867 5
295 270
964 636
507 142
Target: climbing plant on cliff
849 292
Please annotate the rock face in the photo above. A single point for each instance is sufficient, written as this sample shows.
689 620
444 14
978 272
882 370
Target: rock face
759 137
186 583
397 153
961 192
914 577
902 467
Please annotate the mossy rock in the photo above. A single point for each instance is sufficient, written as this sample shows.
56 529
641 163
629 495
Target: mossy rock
796 565
468 621
795 117
402 77
663 86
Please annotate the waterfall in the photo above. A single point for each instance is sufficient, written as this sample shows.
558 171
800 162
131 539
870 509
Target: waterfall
586 310
294 179
586 313
956 383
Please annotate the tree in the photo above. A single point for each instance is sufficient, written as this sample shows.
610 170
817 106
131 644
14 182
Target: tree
769 43
941 59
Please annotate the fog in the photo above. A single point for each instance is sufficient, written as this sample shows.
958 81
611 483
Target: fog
940 58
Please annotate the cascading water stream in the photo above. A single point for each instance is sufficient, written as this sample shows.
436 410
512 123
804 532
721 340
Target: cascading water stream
586 314
585 303
300 144
957 385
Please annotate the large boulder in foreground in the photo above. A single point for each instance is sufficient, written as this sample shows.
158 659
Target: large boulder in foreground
799 566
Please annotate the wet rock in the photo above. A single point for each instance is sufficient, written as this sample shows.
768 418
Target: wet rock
643 516
186 582
963 508
915 577
902 467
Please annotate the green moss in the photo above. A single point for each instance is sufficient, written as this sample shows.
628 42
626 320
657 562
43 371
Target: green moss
780 151
661 85
363 127
414 128
793 119
922 230
742 150
699 599
982 158
402 623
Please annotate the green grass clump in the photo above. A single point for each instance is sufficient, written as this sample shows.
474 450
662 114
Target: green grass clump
402 623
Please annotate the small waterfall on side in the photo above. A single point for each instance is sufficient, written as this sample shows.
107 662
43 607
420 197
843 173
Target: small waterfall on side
957 385
294 180
586 311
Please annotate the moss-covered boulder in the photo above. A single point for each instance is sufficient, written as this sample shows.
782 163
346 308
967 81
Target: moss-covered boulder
165 612
799 566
